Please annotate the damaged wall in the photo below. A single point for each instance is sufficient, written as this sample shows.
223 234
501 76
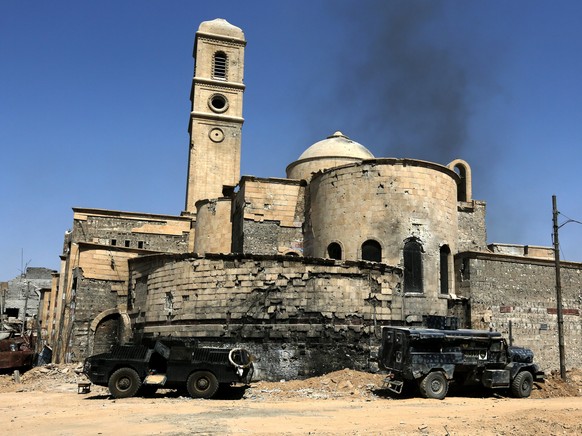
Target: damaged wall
268 216
503 289
300 317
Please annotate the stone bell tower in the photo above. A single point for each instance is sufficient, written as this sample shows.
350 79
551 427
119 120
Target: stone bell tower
216 118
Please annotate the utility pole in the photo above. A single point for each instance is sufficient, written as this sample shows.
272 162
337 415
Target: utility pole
559 291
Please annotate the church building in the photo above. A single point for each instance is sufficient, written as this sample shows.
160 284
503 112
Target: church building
305 270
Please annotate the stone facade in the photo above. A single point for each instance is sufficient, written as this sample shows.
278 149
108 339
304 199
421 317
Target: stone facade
92 286
303 271
517 297
300 317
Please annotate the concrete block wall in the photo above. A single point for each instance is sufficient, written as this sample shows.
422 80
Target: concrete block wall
517 295
301 317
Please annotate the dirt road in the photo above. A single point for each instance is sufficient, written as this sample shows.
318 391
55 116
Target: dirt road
340 403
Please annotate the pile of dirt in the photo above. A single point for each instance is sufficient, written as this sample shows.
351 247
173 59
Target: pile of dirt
51 377
344 384
554 386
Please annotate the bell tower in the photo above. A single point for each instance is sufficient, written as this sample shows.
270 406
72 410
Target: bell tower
216 118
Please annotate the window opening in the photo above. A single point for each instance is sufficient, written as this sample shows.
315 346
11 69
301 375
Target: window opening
372 251
334 251
413 266
219 65
445 253
127 243
139 244
114 242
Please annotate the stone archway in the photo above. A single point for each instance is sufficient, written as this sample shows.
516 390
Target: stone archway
108 328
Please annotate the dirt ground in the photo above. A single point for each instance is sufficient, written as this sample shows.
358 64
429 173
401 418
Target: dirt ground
344 403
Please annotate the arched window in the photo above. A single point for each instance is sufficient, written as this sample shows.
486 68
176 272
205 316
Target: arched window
219 65
463 170
334 251
372 250
413 266
445 254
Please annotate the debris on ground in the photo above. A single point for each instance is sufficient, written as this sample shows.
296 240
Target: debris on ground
343 384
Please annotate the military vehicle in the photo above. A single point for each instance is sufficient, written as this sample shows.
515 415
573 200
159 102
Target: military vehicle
432 358
128 370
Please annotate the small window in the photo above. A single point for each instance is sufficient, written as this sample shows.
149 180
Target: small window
114 242
445 254
334 251
139 244
372 251
219 65
413 266
127 243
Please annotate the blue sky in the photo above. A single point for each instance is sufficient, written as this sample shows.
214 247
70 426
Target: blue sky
94 103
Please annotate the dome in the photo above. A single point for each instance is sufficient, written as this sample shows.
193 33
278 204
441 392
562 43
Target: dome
332 152
337 145
220 26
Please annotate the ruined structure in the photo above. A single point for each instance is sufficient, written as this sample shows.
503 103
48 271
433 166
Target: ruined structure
304 270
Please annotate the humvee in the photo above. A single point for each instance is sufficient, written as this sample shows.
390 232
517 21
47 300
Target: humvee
170 364
432 358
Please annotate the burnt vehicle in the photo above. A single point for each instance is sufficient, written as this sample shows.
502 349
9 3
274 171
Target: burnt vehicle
16 353
128 370
431 358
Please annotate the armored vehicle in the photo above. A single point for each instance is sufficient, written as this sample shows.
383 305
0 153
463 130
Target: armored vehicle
432 358
170 364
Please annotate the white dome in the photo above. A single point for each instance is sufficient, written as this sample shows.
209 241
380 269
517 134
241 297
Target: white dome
336 145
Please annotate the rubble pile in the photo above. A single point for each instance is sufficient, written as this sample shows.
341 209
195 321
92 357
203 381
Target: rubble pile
344 384
51 377
339 384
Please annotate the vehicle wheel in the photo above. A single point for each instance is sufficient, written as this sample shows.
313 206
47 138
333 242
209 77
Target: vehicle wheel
434 385
522 385
202 384
124 383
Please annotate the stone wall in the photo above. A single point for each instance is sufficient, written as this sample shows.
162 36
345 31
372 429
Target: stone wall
472 228
300 317
389 201
517 295
150 232
213 226
268 217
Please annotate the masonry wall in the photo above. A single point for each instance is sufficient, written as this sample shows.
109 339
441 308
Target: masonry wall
472 228
516 295
299 317
132 230
389 201
269 216
213 226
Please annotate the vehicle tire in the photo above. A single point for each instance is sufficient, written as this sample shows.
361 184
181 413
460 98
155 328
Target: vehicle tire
434 385
522 384
124 383
202 384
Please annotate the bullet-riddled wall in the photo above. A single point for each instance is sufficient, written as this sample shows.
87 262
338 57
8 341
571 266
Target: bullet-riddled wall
299 317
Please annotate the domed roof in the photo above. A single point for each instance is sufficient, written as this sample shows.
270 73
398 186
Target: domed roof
220 26
337 145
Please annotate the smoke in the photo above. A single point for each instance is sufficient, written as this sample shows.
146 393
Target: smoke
409 87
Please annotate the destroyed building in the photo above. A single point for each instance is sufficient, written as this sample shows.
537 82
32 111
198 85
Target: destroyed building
304 270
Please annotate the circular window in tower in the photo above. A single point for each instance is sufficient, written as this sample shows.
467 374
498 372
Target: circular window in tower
218 103
216 135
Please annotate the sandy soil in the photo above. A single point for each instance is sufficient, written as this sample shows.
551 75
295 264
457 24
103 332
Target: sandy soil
343 402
